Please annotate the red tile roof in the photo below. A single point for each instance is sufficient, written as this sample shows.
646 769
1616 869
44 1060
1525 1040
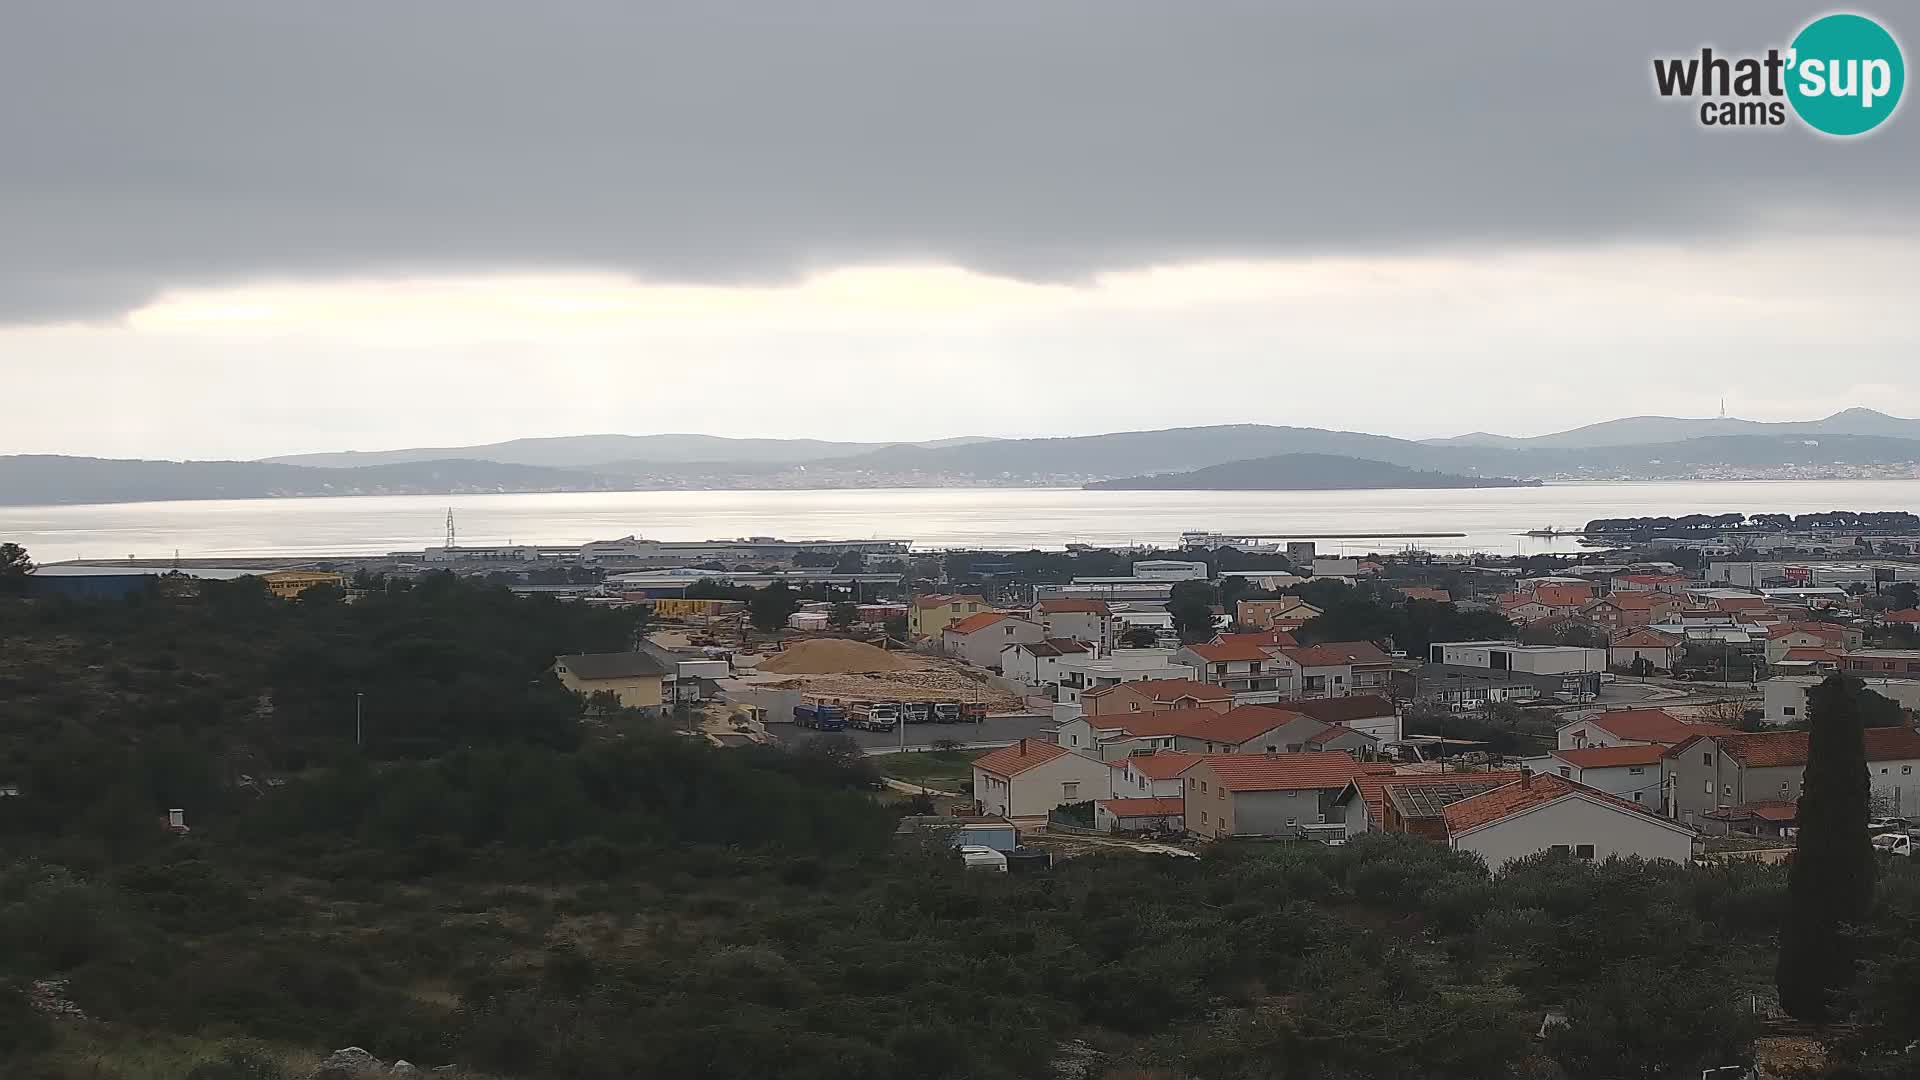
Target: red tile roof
1612 757
1011 761
1229 651
1342 710
1332 732
1775 749
1154 807
974 623
934 600
1563 595
1651 726
1167 690
1812 654
1740 603
1283 772
1336 653
1147 725
1643 638
1161 764
1373 787
1065 607
1909 615
1525 794
1264 637
1824 631
1239 725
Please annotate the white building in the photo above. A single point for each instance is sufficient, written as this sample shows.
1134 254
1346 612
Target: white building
1084 672
1328 566
1169 570
1513 656
1090 621
978 639
1786 695
1629 772
1552 813
1031 777
1037 663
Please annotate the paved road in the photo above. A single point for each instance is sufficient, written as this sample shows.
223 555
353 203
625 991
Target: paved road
994 731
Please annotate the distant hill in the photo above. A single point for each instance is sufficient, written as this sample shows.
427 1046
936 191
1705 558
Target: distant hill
1640 430
583 451
1301 472
1128 452
33 479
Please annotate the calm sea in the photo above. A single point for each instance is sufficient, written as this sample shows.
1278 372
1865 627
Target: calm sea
1492 519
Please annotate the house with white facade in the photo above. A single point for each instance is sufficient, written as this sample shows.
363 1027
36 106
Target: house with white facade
1785 696
1031 777
1644 646
1150 774
978 639
1372 715
1087 672
1632 727
1088 621
1036 664
1631 772
1253 673
1339 668
1551 813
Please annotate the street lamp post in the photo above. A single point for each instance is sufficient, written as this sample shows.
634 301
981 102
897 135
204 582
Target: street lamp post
359 715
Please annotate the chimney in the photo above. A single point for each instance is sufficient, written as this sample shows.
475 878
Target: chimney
1526 777
1023 748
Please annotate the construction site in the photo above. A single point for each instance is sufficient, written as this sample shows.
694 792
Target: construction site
854 671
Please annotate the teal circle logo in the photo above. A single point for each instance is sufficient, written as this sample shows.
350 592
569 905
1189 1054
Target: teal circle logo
1845 74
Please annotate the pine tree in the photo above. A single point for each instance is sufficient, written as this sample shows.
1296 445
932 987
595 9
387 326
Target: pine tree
1830 887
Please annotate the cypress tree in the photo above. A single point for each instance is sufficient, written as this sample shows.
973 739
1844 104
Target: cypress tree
1830 887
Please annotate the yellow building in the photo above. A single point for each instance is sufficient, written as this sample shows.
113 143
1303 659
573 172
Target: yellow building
932 613
635 678
288 584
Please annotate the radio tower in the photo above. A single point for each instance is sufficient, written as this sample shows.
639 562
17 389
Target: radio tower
450 538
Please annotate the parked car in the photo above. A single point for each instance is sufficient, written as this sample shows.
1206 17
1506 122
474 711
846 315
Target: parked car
1894 843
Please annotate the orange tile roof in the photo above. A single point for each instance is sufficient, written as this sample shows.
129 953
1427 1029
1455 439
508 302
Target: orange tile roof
1421 592
1342 710
1908 615
1612 757
1812 654
1011 761
1239 725
1161 764
1263 637
1064 607
1283 772
1643 638
1147 725
1740 603
1824 631
1233 651
934 600
1775 749
1373 787
1563 595
1650 725
1167 690
1335 653
1159 806
974 623
1525 794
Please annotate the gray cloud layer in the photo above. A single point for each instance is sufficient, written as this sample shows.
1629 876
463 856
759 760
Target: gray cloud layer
148 144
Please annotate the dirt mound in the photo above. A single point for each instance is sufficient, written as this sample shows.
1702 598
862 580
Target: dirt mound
833 656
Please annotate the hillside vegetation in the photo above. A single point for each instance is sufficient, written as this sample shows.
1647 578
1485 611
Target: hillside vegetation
504 883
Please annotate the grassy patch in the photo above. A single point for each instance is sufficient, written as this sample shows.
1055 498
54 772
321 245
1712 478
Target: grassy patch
947 770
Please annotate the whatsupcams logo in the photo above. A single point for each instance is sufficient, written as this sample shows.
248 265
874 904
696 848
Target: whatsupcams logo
1842 75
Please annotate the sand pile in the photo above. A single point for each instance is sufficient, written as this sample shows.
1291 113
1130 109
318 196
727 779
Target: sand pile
833 656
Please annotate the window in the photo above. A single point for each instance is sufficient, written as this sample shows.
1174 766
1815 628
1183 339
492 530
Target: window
1070 790
1637 794
1203 817
1706 758
1710 785
1583 851
1564 771
1560 849
1203 787
1726 791
1906 770
1789 710
1221 795
1636 770
1272 749
1289 823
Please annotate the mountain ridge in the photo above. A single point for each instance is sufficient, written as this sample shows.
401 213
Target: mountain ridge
1303 472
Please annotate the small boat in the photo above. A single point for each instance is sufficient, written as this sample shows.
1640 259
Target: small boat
1548 531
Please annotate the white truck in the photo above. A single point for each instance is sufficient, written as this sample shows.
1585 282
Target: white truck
1894 843
875 715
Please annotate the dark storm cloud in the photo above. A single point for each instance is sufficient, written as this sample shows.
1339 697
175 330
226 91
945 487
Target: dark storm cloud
145 144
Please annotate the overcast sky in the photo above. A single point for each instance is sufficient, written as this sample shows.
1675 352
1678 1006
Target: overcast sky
241 229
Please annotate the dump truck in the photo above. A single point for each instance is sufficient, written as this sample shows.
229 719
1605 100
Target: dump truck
821 715
917 712
973 712
875 716
946 712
